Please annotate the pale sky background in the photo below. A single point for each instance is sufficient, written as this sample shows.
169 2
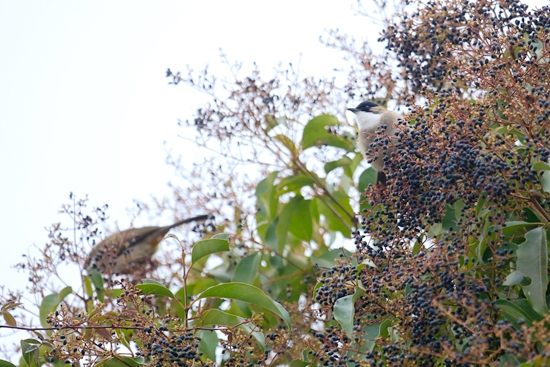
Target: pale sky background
85 105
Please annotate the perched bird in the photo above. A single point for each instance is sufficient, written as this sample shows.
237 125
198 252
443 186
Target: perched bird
375 125
123 251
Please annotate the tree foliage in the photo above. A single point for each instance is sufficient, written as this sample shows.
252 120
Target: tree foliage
308 262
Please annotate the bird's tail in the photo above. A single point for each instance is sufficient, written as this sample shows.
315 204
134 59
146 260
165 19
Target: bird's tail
164 230
198 218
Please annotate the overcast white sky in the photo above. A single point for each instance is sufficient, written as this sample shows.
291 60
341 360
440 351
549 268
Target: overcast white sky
85 105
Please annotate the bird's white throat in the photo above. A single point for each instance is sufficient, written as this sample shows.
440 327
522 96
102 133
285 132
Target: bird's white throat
367 120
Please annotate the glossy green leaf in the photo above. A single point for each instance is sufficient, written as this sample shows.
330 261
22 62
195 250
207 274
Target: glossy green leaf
271 235
4 363
370 333
516 228
345 161
88 285
384 328
293 184
217 317
31 349
337 219
316 127
48 305
97 281
532 262
452 215
545 180
285 218
368 177
247 293
301 225
344 310
328 258
266 197
509 360
50 302
122 361
514 278
207 247
247 269
316 134
151 286
208 343
514 312
541 166
223 236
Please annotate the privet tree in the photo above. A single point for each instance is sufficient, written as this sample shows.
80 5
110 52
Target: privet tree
309 262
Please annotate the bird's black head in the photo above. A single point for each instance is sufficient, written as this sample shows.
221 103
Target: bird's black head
363 106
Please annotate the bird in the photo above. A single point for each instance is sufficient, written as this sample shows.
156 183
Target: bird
125 251
375 123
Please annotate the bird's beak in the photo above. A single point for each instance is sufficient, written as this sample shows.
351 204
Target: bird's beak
352 110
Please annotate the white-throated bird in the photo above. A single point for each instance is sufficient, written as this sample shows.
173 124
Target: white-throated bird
124 251
377 126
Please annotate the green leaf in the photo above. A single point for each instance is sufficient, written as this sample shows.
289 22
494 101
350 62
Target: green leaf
208 343
48 305
452 215
384 328
328 259
339 222
30 349
514 311
266 198
368 177
4 363
97 281
532 262
217 317
121 361
285 218
287 142
545 180
88 285
9 319
293 184
541 166
370 333
515 278
206 247
509 360
271 235
301 225
247 269
516 228
315 134
344 310
223 236
247 293
151 286
345 161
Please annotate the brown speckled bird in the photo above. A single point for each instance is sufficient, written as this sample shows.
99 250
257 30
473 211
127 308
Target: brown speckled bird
122 252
